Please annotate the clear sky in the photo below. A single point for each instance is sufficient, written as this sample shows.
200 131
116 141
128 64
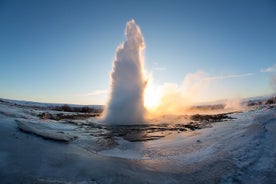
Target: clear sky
62 50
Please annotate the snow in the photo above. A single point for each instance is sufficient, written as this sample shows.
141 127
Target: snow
241 150
44 131
46 105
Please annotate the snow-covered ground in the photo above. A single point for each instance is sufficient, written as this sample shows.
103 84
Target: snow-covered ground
239 150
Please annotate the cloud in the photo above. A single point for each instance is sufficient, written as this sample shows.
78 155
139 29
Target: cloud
160 68
273 82
269 69
94 93
229 76
157 67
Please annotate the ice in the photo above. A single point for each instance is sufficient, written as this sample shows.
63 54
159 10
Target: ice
45 131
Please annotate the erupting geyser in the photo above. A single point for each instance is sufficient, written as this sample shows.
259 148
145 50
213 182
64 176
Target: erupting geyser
126 103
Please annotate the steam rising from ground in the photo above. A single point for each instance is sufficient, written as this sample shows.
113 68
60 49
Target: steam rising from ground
126 104
179 99
132 96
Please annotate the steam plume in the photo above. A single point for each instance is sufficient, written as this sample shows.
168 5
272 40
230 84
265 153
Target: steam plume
177 99
126 103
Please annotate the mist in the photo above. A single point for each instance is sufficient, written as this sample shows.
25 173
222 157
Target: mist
178 98
197 89
133 97
126 100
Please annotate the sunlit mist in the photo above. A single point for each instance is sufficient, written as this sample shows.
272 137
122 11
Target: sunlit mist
126 104
152 96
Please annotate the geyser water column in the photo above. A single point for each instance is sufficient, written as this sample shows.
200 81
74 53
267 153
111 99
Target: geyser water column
126 103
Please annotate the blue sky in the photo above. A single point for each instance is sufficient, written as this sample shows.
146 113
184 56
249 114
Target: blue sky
62 51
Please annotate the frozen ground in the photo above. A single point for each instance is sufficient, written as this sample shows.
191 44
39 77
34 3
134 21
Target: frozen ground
238 148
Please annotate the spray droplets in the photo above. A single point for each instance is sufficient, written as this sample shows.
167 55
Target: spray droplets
126 103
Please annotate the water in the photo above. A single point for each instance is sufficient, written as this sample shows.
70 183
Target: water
126 104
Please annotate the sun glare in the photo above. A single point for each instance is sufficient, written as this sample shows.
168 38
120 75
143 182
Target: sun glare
151 97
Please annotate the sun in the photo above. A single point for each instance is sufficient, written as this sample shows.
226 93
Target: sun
151 97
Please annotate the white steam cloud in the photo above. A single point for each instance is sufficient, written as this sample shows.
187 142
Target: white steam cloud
126 103
176 99
196 88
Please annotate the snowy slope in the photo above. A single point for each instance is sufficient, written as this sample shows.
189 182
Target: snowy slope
241 150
